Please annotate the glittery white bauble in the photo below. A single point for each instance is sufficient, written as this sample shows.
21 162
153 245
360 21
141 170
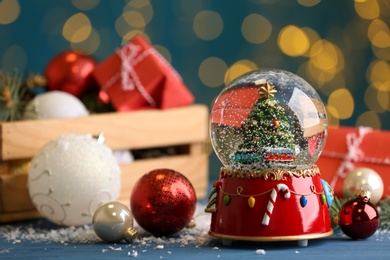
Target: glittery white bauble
363 179
54 104
71 177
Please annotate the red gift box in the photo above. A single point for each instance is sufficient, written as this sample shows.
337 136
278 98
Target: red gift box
137 77
348 148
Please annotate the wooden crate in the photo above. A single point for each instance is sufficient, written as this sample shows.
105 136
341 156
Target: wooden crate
186 128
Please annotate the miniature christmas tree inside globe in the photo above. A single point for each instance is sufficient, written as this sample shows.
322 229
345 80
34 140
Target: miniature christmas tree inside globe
268 119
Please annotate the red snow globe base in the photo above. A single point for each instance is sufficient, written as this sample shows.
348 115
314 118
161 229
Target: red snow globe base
268 128
270 206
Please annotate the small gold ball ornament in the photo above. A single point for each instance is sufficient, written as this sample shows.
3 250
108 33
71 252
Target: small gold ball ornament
363 179
113 222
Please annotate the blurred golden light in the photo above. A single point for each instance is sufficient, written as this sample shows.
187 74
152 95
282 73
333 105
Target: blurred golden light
256 28
134 19
369 118
123 28
381 53
212 71
313 37
368 9
85 5
330 85
376 99
341 101
130 35
77 28
293 41
9 11
383 98
326 56
89 45
138 3
143 7
208 25
308 3
379 74
319 76
379 34
164 52
14 57
330 111
239 68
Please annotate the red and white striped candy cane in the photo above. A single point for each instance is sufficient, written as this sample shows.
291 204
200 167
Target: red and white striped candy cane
270 206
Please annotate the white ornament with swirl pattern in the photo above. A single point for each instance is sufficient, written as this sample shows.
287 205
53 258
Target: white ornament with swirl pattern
71 177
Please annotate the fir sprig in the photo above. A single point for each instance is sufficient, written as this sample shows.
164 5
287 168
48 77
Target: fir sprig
11 94
384 214
334 213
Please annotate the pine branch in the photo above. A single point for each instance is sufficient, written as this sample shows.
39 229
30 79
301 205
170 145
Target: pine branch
11 94
334 213
384 213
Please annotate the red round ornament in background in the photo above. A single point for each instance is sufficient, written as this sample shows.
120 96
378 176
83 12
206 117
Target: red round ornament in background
71 71
163 202
359 218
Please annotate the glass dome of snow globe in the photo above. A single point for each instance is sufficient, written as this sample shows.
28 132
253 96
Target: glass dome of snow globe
268 119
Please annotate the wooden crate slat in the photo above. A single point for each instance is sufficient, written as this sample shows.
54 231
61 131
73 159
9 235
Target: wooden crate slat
14 194
21 215
131 130
16 204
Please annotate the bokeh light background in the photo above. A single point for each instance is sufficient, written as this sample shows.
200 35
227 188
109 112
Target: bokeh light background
342 48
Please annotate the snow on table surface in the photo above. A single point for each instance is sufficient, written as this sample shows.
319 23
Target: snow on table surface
41 239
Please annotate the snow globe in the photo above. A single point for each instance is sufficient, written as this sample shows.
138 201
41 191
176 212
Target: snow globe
268 128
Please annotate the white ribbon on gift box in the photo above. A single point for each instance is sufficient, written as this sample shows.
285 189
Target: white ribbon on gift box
130 56
353 155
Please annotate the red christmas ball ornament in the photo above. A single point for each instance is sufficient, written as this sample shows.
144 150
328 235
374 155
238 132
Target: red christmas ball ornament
70 71
163 202
358 218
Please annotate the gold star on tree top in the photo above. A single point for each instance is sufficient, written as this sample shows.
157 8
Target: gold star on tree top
266 89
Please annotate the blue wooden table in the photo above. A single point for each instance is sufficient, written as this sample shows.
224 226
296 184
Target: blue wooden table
39 239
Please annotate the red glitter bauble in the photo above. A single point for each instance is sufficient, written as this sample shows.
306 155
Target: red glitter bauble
70 71
358 218
163 202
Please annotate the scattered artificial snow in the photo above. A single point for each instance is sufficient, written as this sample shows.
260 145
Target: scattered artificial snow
260 252
133 253
44 231
115 249
6 250
83 234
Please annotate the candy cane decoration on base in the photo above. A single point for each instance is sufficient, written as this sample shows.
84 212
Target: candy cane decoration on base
272 200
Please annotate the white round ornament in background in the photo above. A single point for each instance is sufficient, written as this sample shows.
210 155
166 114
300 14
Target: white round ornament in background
363 179
71 177
54 104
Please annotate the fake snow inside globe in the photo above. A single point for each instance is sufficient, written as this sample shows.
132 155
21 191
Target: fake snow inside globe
268 128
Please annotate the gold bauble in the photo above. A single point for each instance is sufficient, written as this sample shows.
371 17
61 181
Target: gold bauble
363 179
